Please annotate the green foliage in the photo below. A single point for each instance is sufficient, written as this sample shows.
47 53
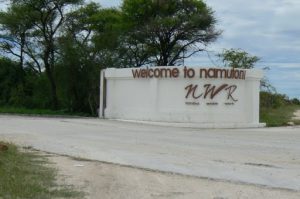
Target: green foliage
89 44
276 100
15 28
22 89
295 101
165 32
237 58
9 79
277 109
273 100
24 175
280 116
46 19
78 77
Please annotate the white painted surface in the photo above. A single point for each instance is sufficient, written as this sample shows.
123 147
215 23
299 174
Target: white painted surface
164 100
265 156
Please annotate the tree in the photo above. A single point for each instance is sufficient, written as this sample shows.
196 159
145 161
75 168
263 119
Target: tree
77 66
47 17
15 27
88 44
10 80
237 58
77 77
165 32
66 45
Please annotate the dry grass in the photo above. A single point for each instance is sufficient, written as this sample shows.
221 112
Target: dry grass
27 175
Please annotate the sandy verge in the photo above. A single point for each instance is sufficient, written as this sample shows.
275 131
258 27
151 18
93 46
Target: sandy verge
108 181
297 115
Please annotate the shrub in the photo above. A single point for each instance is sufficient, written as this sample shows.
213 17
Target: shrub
273 100
295 101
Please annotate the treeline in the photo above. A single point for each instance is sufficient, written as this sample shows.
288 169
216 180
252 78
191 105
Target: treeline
53 50
276 100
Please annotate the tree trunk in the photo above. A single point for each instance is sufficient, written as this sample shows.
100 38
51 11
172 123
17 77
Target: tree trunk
21 69
22 50
49 72
54 98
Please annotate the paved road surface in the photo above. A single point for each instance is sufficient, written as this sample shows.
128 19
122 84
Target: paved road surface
268 157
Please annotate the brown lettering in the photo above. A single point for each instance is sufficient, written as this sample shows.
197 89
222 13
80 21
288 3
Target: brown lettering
231 90
203 70
156 73
192 90
150 73
143 73
166 72
237 74
222 73
184 72
175 72
211 73
189 73
211 90
136 73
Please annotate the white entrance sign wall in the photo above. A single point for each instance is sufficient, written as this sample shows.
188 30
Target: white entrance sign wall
207 97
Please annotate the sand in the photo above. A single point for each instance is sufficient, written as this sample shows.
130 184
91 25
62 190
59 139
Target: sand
108 181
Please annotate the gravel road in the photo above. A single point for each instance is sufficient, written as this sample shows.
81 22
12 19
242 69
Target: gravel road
262 157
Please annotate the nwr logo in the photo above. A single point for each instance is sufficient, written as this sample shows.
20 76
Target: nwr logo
210 91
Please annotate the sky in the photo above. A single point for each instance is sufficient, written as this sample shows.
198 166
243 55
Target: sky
268 29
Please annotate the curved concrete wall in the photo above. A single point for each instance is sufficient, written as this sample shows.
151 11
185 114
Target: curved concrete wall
208 97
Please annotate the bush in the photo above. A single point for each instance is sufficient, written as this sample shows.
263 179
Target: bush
295 101
273 100
22 88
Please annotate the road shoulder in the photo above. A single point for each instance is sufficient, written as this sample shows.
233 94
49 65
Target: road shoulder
121 182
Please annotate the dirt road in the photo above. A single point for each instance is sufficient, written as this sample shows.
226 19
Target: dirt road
266 156
109 181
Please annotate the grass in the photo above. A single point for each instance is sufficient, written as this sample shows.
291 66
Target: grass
47 112
27 175
279 116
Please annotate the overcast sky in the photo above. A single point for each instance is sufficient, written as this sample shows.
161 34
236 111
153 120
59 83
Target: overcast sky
269 29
